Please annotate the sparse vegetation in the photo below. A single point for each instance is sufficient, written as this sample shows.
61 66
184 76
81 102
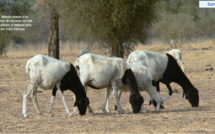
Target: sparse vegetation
191 28
100 25
177 117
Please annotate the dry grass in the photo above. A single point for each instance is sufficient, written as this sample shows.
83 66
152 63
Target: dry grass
177 117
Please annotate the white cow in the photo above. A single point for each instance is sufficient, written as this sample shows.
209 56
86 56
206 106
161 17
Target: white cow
165 69
145 83
49 73
98 72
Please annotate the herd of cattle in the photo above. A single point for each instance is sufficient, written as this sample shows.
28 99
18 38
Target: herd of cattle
143 71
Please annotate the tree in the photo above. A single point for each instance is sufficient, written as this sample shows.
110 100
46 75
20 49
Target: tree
111 23
4 39
180 20
53 43
53 8
15 8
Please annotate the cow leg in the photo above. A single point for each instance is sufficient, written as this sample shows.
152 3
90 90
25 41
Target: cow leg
152 100
143 109
170 92
115 91
106 108
34 99
24 103
84 80
64 102
54 91
119 93
89 107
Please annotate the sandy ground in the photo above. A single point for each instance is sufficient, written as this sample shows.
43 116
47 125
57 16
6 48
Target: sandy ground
177 117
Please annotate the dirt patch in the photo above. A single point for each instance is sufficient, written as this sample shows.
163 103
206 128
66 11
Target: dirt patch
177 117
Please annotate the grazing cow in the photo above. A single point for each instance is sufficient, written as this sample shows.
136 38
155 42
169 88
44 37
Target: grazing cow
49 73
146 83
165 69
98 72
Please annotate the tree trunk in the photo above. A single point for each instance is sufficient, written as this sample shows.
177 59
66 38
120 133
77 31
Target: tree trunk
2 50
53 44
1 53
118 49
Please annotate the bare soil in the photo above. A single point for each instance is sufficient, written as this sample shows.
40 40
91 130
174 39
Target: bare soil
177 117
